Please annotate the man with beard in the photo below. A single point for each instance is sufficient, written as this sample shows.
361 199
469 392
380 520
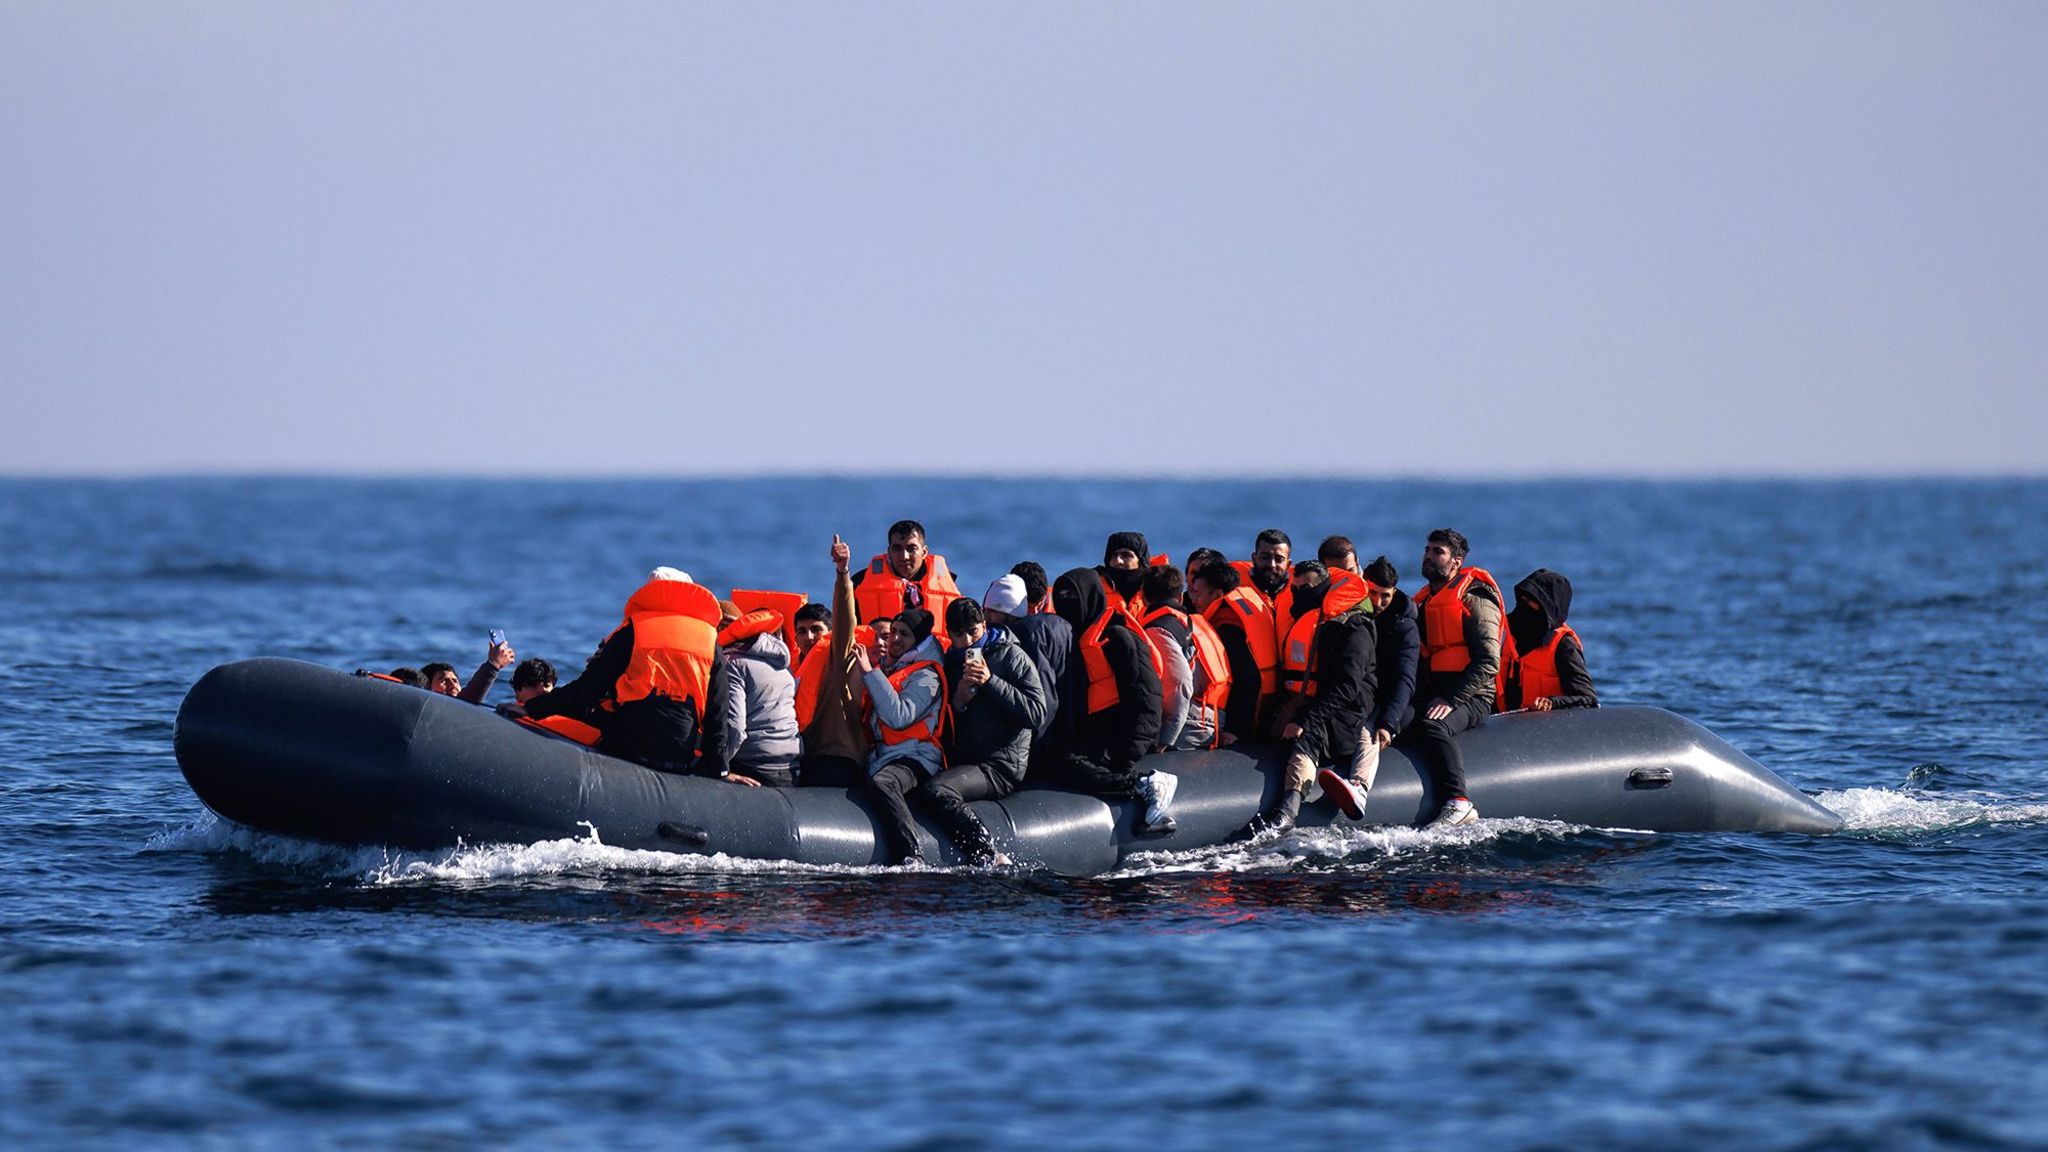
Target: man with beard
1119 723
1399 645
1549 668
1459 667
1270 564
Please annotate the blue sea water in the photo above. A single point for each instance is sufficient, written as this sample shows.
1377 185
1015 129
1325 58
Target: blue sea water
167 979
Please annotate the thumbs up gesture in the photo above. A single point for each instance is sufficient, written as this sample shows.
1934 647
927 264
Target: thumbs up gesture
841 554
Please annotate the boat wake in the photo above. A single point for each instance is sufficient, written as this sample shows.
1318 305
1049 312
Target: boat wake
1892 812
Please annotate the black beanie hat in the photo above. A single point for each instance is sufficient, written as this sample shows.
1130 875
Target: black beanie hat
1135 541
917 620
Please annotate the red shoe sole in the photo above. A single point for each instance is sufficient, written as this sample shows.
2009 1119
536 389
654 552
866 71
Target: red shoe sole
1335 787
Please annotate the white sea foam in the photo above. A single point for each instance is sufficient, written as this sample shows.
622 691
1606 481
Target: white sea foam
1886 810
1351 843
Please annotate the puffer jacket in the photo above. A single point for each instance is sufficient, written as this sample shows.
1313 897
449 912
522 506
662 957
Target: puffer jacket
995 727
760 704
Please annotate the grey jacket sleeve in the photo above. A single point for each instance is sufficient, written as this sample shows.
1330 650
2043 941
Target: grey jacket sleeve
1482 640
733 720
1176 687
479 685
895 709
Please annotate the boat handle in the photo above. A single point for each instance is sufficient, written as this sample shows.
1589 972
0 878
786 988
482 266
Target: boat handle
1650 778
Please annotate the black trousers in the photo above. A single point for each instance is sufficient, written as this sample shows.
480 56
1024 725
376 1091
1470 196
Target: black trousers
832 772
1096 777
1436 742
773 775
888 788
950 792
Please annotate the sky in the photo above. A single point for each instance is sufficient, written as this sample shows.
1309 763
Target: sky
1432 239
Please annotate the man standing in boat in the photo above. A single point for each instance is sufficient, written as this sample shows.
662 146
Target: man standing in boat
1458 675
908 575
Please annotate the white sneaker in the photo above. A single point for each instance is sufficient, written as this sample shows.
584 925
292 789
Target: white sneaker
1458 811
1349 794
1159 789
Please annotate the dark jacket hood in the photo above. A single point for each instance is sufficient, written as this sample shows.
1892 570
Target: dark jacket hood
1077 597
1551 591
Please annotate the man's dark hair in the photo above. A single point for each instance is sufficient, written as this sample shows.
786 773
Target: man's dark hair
812 611
918 621
1310 568
963 613
533 672
1272 536
1163 585
1334 549
429 671
1221 576
907 528
409 676
1381 572
1035 581
1201 558
1453 538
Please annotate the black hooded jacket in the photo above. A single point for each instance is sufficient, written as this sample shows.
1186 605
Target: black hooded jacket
1122 735
1531 629
1342 677
1400 650
658 732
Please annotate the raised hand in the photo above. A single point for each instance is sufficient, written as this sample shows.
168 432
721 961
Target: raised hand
841 554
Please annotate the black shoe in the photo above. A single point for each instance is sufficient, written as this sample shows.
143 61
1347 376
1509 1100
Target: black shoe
1277 822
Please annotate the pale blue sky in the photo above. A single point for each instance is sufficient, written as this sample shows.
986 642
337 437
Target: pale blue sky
1252 238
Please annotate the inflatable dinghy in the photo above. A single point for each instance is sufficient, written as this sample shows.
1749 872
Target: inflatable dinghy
295 748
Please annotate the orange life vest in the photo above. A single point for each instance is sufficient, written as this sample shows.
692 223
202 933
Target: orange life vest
1536 672
1102 690
753 624
565 726
1298 652
931 727
675 637
1247 611
785 603
1208 657
1244 582
1443 612
880 592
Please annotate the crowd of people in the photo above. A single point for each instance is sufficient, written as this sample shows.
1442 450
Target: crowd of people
925 697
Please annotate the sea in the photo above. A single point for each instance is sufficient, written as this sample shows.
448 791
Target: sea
168 979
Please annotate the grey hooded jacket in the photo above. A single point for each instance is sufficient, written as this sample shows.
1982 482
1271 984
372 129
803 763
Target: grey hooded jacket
922 695
760 704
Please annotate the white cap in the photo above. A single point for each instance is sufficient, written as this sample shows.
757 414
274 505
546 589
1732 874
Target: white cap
1006 595
666 573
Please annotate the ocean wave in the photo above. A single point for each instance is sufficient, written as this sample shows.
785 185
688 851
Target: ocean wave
1887 811
1348 845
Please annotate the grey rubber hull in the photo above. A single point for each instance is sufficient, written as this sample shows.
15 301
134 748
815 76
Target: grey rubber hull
296 748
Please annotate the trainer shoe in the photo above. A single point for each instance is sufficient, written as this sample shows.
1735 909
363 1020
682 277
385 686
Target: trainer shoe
1349 794
1157 791
1458 811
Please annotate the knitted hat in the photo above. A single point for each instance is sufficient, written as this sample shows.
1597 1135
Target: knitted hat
1118 541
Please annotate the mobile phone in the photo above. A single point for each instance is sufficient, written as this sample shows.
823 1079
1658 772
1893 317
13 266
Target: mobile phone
973 656
497 637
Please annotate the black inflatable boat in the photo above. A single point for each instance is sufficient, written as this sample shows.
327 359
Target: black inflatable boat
296 748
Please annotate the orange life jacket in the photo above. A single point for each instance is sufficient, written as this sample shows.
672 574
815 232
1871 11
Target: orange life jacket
1536 672
785 603
880 592
675 637
1443 612
565 726
753 624
1102 690
379 676
931 727
1346 592
1247 611
1208 658
1244 582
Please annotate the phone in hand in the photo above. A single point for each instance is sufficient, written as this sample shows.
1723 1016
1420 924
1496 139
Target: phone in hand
973 656
497 637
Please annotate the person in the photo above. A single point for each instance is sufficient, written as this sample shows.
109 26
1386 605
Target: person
907 717
1199 559
441 679
410 677
533 677
1338 555
835 735
1197 663
908 575
997 704
1458 669
1325 722
652 683
1037 586
1167 630
1119 720
1270 564
1243 622
1549 668
1123 570
1393 619
496 657
760 733
813 624
1048 640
